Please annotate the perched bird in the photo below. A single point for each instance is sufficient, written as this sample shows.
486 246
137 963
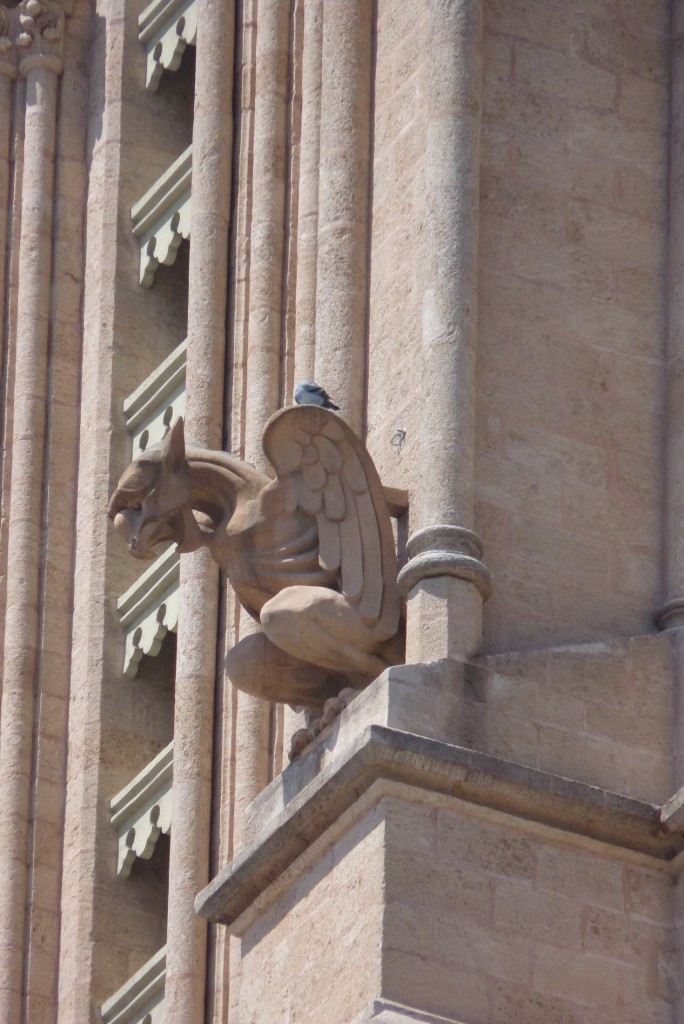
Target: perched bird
309 393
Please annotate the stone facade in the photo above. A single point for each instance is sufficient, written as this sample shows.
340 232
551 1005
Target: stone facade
464 219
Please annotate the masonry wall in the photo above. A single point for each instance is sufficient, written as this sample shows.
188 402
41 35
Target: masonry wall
472 915
571 341
422 900
314 953
109 927
486 921
397 263
570 381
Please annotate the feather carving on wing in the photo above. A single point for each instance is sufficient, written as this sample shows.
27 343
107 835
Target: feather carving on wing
325 471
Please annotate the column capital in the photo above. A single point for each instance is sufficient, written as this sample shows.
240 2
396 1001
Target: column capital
445 551
40 37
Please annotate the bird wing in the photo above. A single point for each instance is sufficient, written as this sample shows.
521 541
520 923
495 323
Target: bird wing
326 472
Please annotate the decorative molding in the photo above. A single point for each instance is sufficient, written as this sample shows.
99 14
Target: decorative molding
149 609
141 812
445 551
158 402
141 999
310 800
165 28
670 615
32 35
161 219
41 34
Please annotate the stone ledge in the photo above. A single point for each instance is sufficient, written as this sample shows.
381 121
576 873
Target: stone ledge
379 752
141 998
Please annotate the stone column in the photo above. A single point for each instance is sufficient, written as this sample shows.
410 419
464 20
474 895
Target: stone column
444 581
265 334
345 135
41 67
670 615
58 542
268 222
307 229
8 72
199 580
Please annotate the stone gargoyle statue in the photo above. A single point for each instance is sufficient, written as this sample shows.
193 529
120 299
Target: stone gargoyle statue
310 554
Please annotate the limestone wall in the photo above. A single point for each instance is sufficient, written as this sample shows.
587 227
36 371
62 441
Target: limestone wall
571 344
333 907
485 921
570 377
338 236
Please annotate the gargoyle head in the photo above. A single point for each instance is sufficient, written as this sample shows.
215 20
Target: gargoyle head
151 503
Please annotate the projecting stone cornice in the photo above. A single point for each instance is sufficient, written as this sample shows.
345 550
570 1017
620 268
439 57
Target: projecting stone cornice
165 28
142 996
158 402
149 610
141 812
352 764
161 219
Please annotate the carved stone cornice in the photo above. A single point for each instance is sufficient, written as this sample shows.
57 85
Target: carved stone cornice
445 551
141 812
161 219
158 402
165 28
40 37
149 610
141 998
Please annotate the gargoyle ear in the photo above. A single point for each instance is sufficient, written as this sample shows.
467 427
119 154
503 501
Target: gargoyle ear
173 447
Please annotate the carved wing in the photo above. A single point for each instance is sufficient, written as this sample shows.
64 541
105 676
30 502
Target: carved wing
326 472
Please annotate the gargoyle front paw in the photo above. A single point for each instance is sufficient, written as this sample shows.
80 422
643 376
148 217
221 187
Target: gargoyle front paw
332 708
300 740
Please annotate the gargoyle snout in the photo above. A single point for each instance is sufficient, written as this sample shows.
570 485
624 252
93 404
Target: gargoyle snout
130 524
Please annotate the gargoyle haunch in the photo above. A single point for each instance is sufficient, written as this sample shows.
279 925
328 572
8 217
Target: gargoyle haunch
310 554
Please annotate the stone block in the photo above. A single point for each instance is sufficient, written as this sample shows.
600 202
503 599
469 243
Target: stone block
565 77
525 913
439 988
586 980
